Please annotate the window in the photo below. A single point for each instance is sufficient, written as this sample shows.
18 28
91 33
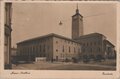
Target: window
90 49
36 49
78 50
63 49
99 49
48 47
74 50
40 48
87 44
56 50
33 49
6 40
83 44
44 48
94 43
83 49
91 43
44 40
69 49
61 54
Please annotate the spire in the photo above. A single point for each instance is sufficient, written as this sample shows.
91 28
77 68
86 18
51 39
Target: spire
77 5
77 10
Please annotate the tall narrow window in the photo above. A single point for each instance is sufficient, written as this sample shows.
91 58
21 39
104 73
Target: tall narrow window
48 48
61 55
99 42
56 50
40 48
44 48
33 50
83 50
99 49
36 49
83 44
91 43
78 50
74 50
87 44
63 49
69 48
94 43
91 50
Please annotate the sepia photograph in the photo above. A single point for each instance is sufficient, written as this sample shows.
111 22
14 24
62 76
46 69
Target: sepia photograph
60 36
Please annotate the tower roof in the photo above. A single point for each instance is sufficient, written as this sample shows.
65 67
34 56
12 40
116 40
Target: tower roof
77 12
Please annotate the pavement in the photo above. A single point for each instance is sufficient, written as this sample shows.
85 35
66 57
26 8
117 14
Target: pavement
62 66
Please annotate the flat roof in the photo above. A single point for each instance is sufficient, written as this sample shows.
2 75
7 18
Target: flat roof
89 35
46 36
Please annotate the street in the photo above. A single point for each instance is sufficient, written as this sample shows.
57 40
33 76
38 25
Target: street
63 66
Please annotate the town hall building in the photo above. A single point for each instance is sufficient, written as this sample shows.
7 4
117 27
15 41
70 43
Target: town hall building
59 48
93 45
52 46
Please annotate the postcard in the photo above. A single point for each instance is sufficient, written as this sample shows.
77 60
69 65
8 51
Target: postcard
59 39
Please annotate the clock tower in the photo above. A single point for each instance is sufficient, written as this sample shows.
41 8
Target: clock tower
77 24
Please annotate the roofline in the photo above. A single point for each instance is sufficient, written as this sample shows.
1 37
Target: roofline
110 43
77 14
48 35
84 36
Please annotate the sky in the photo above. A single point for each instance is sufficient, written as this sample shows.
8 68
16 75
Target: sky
31 20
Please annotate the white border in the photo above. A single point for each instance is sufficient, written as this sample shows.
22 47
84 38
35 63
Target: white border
118 38
56 74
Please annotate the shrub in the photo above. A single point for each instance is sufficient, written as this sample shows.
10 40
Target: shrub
75 60
99 58
86 59
66 60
